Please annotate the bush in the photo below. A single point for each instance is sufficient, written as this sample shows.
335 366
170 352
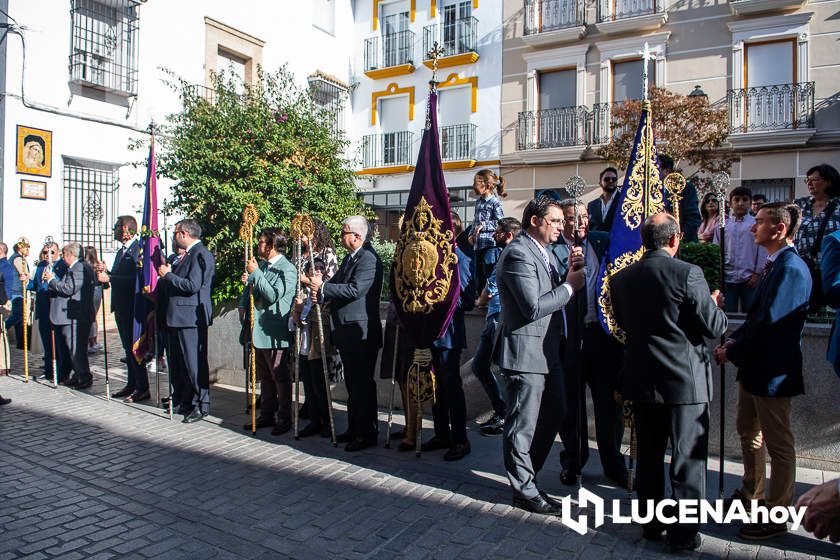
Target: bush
707 257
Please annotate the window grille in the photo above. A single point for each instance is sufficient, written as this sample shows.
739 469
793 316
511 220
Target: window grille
104 44
331 96
90 202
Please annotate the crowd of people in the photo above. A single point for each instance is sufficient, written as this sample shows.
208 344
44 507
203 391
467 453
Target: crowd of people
541 347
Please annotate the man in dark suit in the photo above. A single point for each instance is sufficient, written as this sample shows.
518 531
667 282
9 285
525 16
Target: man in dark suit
529 337
664 308
601 210
122 279
450 407
353 296
690 218
71 312
767 351
189 313
592 357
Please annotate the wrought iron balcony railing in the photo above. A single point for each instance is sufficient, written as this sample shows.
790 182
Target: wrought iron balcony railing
550 15
458 36
777 107
393 49
389 149
610 10
457 142
552 128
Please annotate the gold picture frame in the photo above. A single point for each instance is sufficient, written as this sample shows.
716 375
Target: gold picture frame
34 151
36 190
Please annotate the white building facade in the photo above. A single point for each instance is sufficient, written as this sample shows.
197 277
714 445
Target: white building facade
82 79
390 83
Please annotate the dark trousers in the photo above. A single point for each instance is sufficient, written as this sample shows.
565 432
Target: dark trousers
481 269
137 378
73 342
524 395
551 416
450 408
178 377
598 365
45 332
359 366
312 375
687 428
189 347
736 293
15 319
275 384
481 366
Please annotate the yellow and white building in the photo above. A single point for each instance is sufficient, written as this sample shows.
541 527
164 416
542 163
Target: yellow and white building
390 84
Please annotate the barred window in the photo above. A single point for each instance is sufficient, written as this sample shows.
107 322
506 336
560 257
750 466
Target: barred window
388 206
330 94
90 202
103 54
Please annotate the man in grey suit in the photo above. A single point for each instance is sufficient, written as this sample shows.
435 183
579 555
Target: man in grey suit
353 294
189 313
664 307
71 312
529 337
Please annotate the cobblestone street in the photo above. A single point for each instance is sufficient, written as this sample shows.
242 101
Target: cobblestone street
86 478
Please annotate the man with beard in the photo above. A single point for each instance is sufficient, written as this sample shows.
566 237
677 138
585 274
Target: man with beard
601 210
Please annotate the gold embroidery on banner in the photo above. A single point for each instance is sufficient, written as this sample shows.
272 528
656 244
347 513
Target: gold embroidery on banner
634 208
424 261
605 298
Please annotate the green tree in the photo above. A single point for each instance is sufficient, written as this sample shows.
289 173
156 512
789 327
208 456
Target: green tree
271 146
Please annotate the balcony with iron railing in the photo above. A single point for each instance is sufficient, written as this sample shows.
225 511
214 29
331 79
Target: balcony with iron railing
550 22
388 152
457 145
389 55
458 39
621 16
776 115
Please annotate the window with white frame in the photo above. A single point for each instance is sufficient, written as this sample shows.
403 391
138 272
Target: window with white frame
397 39
89 200
233 67
396 145
627 79
557 89
457 134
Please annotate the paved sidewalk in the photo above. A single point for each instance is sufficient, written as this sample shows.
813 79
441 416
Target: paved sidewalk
86 478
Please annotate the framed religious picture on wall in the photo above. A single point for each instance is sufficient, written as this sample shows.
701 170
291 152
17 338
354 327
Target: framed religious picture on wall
33 189
34 151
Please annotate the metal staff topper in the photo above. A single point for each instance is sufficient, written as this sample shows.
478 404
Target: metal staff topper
575 187
720 182
674 184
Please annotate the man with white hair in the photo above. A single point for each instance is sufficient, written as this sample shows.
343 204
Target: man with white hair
353 294
71 312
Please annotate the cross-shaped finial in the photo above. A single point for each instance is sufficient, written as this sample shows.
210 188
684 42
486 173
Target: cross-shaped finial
647 55
434 54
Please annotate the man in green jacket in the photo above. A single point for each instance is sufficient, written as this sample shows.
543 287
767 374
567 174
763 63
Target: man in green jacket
272 282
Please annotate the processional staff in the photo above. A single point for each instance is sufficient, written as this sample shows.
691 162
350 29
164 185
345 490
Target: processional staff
250 216
21 244
720 183
48 242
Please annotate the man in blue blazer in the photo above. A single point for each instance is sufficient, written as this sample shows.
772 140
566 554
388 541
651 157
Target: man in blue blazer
353 295
590 357
189 313
766 349
831 286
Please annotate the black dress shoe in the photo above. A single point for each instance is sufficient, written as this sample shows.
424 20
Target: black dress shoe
346 437
680 546
193 416
281 428
568 477
72 381
137 396
457 452
311 430
262 422
122 393
434 444
82 385
551 501
4 401
537 504
358 444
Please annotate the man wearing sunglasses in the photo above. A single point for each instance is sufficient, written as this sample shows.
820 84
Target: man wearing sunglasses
601 210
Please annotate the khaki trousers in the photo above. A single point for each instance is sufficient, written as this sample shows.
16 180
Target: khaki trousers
764 422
